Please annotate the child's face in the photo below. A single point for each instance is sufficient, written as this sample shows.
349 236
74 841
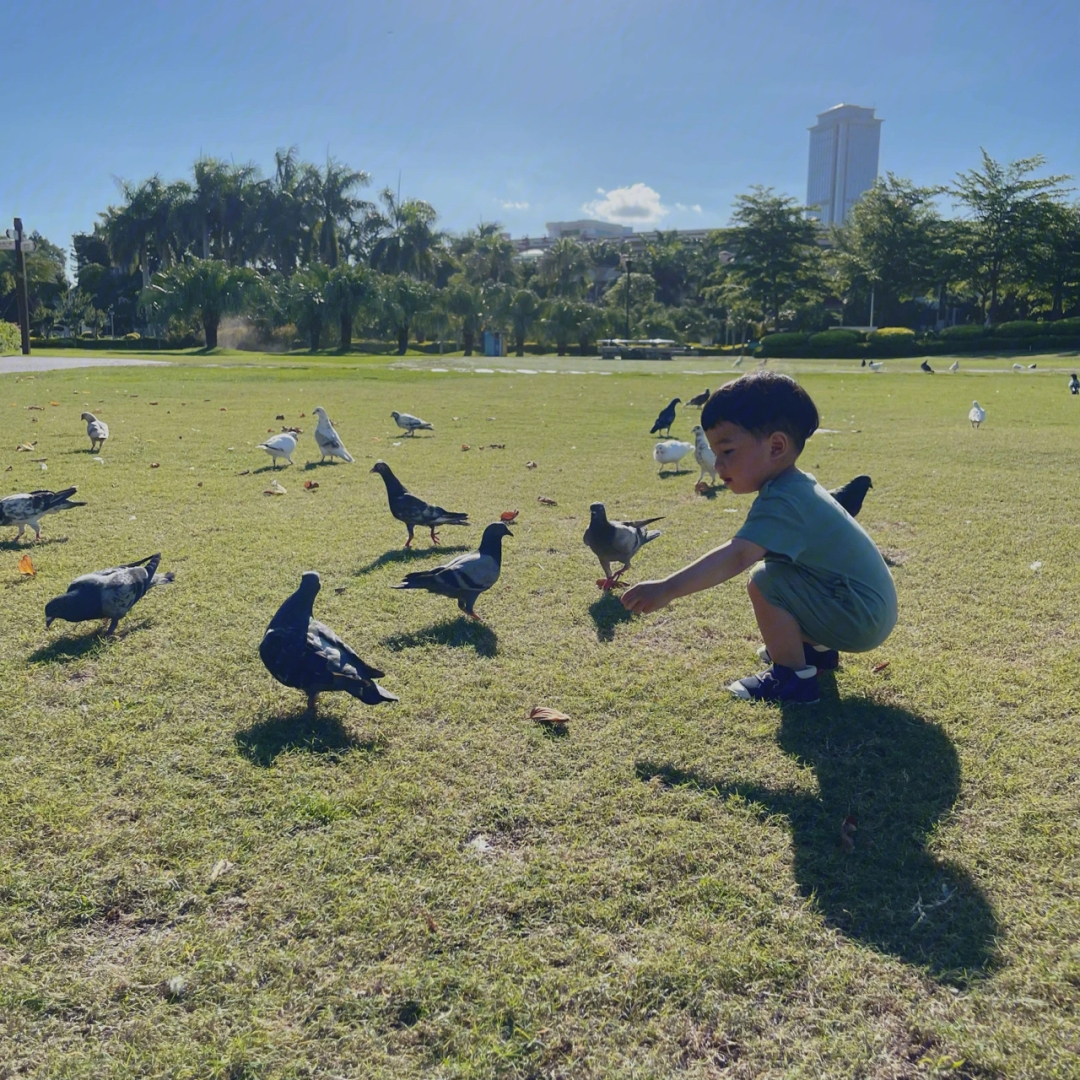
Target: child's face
746 463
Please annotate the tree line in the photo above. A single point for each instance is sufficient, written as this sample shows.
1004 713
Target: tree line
302 254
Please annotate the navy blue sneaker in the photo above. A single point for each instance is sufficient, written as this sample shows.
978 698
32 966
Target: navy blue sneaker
822 659
779 683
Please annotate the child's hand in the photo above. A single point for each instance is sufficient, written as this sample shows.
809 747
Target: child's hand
645 597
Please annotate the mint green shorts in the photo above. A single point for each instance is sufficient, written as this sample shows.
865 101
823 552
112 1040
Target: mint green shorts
831 612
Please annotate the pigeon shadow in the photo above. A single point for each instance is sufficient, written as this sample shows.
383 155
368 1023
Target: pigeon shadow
29 547
409 555
897 776
607 613
712 491
320 464
462 633
263 742
270 468
669 475
66 649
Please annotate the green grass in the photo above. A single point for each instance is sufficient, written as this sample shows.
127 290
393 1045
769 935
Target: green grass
196 882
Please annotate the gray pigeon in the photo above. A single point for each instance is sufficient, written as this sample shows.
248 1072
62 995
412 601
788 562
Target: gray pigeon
299 651
27 508
413 510
328 440
411 424
463 579
107 594
665 419
850 495
698 399
611 540
97 429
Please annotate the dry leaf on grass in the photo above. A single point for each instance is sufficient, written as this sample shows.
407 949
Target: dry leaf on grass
509 515
311 485
701 487
220 869
880 667
274 489
546 501
26 566
37 408
497 446
26 446
54 402
464 446
543 715
153 402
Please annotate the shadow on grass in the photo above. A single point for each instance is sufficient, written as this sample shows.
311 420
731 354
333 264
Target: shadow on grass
671 475
712 491
410 555
29 547
607 613
897 776
70 648
462 633
263 742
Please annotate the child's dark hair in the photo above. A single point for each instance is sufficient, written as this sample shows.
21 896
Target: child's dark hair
761 403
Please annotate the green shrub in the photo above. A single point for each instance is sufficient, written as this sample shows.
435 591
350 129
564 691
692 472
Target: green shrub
783 344
1018 329
10 338
1062 328
828 339
893 335
963 334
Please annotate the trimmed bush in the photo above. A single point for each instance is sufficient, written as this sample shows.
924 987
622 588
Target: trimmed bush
1062 328
783 344
10 338
893 335
969 334
833 339
1019 329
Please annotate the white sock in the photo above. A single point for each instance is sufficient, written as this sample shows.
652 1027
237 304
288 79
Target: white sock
807 672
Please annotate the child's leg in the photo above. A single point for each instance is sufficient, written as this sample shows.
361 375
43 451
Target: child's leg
780 631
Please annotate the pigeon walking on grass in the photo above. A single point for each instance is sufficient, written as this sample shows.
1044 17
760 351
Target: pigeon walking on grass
301 652
977 414
1074 384
703 454
411 424
28 508
850 495
954 367
412 510
924 366
280 446
875 365
107 594
611 540
463 579
330 445
97 429
1018 367
670 452
665 419
698 400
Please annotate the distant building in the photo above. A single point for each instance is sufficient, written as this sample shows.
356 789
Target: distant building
844 146
587 230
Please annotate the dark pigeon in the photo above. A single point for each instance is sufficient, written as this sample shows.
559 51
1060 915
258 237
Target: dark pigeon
107 594
463 579
666 419
1074 384
611 540
412 510
28 508
299 651
924 366
698 400
850 496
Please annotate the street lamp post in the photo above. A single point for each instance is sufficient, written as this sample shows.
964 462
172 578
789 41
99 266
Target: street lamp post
628 265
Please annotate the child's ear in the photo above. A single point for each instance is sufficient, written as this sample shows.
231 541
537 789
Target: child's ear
779 444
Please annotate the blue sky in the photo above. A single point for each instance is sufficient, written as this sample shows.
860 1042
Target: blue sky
523 111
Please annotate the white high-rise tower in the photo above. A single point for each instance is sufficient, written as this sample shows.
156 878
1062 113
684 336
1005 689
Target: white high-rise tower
844 146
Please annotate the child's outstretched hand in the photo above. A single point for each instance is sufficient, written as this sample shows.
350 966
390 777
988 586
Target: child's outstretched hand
645 597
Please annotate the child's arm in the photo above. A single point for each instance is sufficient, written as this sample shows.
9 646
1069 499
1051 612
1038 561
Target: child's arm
718 565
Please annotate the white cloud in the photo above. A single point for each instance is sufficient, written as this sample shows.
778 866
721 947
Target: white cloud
696 207
510 205
637 204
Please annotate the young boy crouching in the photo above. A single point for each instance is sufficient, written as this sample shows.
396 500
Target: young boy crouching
819 585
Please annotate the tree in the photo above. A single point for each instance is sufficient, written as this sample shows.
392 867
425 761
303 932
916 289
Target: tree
225 210
46 280
147 232
207 290
524 309
404 301
463 302
642 292
564 269
349 290
1003 204
486 255
562 318
777 257
290 213
1052 265
306 302
334 194
407 243
593 322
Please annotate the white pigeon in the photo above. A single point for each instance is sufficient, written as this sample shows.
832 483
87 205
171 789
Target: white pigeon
280 446
703 454
97 429
954 367
875 365
977 414
670 452
327 438
738 362
411 424
1018 367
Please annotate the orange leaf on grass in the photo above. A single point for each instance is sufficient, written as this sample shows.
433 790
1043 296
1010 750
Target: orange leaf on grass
880 667
543 715
311 485
26 566
509 515
54 402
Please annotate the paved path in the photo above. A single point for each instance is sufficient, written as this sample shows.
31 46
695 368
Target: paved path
11 364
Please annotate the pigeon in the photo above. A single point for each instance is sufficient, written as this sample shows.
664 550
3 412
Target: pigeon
280 446
850 495
738 362
699 399
27 508
703 454
299 651
463 579
863 362
1018 367
97 429
1074 384
1032 367
875 365
924 366
327 439
413 510
671 452
411 424
954 367
977 414
611 540
666 418
107 594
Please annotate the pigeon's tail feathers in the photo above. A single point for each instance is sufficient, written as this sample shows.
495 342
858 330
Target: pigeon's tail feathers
150 563
652 534
646 521
450 517
346 456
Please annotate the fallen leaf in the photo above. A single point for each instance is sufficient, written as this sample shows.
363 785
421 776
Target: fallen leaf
275 489
497 446
199 484
509 515
155 464
26 446
26 566
701 487
530 464
880 667
153 402
546 501
432 925
246 472
223 409
303 414
54 402
38 460
491 417
340 589
8 469
37 408
294 430
847 834
464 446
543 715
220 869
311 485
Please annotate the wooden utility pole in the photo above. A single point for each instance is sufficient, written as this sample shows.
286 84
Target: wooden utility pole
20 289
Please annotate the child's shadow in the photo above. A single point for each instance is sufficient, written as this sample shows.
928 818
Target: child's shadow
607 613
896 775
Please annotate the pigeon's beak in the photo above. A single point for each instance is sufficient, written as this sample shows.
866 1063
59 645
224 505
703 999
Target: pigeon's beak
508 532
48 623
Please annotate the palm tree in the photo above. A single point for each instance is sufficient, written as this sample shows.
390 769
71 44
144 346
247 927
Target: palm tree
562 318
147 232
564 269
206 289
486 255
524 310
306 303
463 302
407 243
337 205
290 213
349 290
404 301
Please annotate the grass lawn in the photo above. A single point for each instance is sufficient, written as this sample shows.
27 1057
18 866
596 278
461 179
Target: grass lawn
197 882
